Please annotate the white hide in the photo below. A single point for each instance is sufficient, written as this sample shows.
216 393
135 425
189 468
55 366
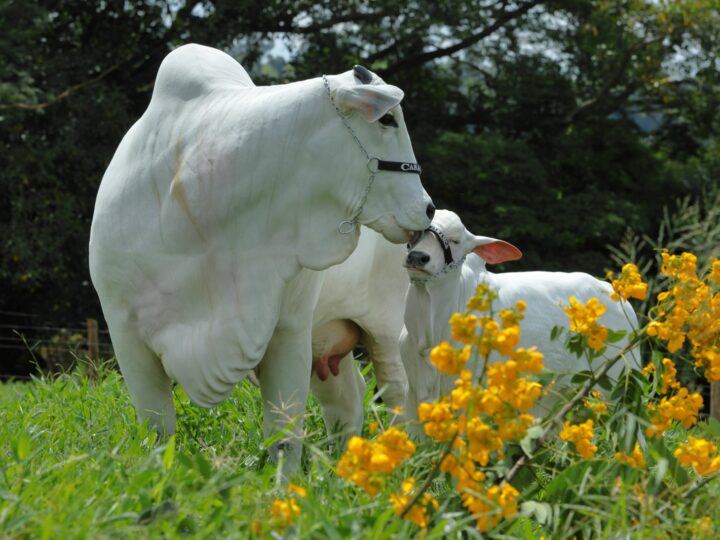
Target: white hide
216 208
431 302
365 293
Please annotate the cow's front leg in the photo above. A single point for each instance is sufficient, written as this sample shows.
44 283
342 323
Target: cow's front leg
284 375
341 399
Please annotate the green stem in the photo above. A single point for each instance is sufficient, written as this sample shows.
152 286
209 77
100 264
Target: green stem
433 474
560 415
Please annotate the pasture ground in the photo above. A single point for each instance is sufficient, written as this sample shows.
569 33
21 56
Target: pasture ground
74 463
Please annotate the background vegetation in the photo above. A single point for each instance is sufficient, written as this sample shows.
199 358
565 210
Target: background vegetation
585 132
554 124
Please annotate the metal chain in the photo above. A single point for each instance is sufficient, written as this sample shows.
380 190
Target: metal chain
348 226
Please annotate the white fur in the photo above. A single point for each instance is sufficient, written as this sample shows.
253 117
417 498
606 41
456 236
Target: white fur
212 217
367 290
431 303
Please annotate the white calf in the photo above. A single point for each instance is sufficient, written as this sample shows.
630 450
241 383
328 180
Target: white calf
446 266
361 300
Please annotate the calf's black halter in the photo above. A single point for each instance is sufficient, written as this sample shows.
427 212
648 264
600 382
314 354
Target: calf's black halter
374 165
447 252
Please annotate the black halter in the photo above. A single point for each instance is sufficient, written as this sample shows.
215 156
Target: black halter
443 243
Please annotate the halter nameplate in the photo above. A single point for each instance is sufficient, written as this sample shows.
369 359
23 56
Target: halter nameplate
399 166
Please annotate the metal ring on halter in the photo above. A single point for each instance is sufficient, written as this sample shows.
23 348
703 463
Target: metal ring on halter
346 227
370 166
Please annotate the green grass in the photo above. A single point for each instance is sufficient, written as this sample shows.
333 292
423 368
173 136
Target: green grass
74 463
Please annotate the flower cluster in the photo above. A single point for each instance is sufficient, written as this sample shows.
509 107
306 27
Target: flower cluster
635 458
596 405
418 513
581 436
628 285
689 311
699 453
683 407
366 463
481 414
448 359
583 320
284 511
492 505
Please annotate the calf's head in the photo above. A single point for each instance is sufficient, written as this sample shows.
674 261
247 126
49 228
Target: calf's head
446 242
391 199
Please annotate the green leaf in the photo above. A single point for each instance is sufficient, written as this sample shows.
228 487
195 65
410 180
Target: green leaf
615 335
581 377
556 332
22 447
169 454
535 432
203 465
539 510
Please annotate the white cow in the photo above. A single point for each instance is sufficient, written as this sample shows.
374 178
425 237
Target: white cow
217 208
445 268
361 300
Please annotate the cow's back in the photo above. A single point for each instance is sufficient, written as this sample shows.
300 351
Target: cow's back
546 294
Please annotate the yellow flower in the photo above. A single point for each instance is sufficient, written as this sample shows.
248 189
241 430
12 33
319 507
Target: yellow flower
448 360
482 299
299 490
683 407
463 469
668 377
682 266
597 407
634 459
715 271
580 435
528 360
365 463
583 320
438 420
418 513
699 453
497 503
284 512
463 327
482 441
629 284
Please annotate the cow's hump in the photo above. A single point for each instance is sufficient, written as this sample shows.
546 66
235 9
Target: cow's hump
194 70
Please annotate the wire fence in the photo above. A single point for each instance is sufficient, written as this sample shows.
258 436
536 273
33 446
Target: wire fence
29 344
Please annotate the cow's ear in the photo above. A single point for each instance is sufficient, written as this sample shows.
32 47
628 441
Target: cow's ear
494 251
370 100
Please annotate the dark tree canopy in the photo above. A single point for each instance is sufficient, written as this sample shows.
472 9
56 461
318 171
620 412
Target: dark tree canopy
555 125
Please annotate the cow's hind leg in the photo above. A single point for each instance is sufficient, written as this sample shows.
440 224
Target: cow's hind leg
149 386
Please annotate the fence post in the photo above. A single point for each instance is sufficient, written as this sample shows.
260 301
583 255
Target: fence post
93 344
715 400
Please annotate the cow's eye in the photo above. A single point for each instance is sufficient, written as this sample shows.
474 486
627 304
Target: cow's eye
454 242
388 120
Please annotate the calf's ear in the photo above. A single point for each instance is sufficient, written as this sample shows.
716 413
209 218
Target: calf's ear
494 251
369 100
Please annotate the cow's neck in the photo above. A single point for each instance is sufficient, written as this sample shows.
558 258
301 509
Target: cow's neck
437 300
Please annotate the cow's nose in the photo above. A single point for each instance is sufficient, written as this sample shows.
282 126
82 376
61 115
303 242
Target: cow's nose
430 211
417 259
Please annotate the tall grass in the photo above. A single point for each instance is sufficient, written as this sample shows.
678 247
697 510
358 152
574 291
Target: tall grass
74 463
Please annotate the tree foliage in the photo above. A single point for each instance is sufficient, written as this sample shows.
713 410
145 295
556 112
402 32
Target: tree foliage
554 125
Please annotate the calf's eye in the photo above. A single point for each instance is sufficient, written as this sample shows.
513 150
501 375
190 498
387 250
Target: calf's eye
388 120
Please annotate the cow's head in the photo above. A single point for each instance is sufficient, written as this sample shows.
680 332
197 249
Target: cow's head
397 206
447 241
